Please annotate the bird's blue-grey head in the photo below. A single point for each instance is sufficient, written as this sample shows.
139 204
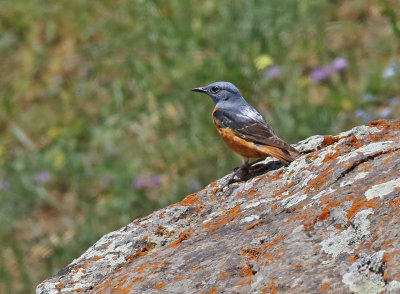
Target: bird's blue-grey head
222 93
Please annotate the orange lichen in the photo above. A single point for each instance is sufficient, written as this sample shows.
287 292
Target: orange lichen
256 253
356 143
96 258
329 140
128 288
222 220
142 251
213 184
223 276
270 258
252 226
141 269
391 267
317 183
180 278
298 266
216 190
253 253
271 288
245 271
395 202
353 259
248 281
182 236
325 287
251 193
158 265
278 175
274 242
159 286
161 230
189 200
326 212
213 290
195 269
380 124
355 208
108 244
387 243
199 208
59 286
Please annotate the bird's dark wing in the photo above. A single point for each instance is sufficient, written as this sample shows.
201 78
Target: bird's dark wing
249 124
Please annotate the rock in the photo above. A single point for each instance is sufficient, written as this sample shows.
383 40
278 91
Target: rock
328 222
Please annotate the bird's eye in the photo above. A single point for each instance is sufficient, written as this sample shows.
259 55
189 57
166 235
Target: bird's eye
215 89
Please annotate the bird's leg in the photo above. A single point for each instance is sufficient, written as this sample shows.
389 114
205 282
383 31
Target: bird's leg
245 165
243 170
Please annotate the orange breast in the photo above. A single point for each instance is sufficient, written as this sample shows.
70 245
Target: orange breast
244 148
249 149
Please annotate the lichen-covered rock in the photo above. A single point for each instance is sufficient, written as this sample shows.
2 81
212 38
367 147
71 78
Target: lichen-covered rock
328 222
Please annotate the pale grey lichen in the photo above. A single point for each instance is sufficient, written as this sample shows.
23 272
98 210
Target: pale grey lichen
365 275
293 200
357 177
360 131
250 218
383 189
310 144
348 240
393 287
367 150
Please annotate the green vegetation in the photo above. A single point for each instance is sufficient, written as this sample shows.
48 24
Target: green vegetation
98 124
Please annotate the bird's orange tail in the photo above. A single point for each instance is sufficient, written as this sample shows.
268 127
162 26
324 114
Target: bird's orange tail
282 155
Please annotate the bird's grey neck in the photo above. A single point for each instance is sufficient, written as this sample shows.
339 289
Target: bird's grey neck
237 102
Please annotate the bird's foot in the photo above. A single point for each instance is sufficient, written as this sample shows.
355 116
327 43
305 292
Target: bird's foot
250 170
241 173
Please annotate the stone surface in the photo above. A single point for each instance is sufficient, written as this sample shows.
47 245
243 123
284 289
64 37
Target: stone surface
328 222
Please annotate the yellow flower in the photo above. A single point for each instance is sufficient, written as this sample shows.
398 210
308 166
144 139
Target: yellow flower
263 61
2 150
304 81
58 159
347 105
54 132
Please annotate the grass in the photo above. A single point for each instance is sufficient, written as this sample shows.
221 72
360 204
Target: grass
98 124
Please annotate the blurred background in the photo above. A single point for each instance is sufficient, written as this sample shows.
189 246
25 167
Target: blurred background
99 126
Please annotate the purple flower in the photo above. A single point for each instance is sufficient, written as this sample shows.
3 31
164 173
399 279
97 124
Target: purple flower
394 101
194 185
368 97
42 177
107 180
385 112
322 73
339 64
146 182
4 185
390 71
273 72
363 114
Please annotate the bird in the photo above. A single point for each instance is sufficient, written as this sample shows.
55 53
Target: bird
243 128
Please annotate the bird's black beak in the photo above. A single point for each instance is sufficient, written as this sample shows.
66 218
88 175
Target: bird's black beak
200 89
